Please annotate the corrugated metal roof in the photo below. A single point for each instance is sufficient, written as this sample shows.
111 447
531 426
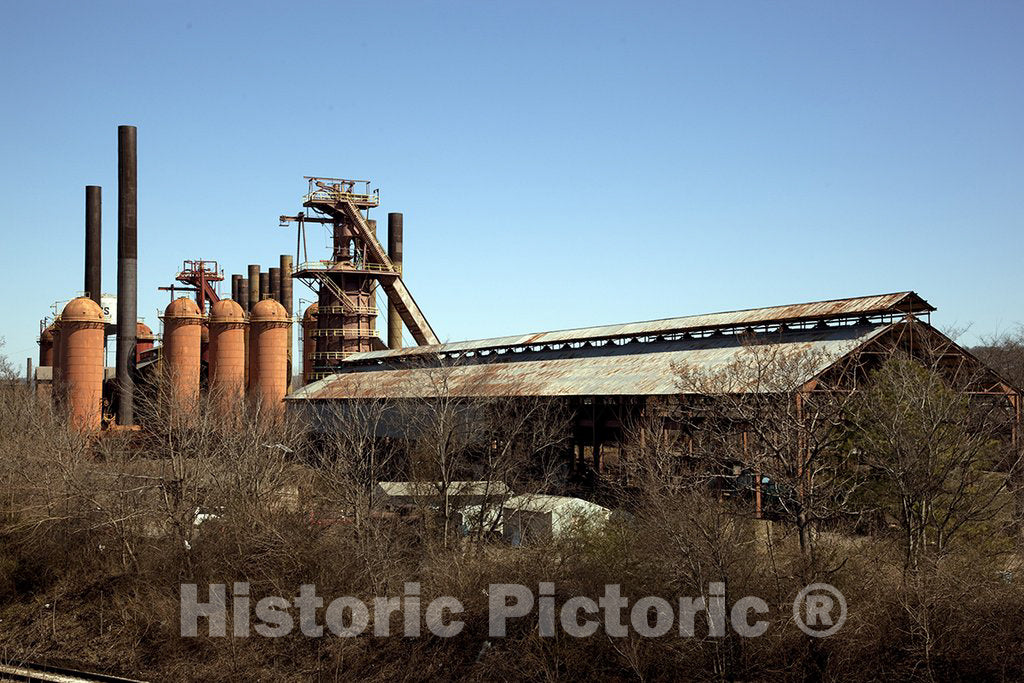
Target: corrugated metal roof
633 369
880 304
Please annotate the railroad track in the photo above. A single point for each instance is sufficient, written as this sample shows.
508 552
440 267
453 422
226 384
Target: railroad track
33 673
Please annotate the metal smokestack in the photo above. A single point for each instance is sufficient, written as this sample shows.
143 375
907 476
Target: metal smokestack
243 301
275 284
254 286
243 294
395 254
127 269
286 283
286 301
264 285
93 241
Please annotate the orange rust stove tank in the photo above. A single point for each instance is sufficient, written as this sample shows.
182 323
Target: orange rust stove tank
182 339
227 351
204 343
82 362
308 342
269 334
46 358
144 340
46 347
57 378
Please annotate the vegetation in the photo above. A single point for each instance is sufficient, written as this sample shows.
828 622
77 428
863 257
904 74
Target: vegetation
899 494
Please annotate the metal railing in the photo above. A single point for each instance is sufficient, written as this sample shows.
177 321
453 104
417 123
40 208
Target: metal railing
325 265
344 310
343 332
340 196
323 374
331 355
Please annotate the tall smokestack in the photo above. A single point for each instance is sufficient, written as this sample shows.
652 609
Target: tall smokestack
275 284
127 269
286 301
243 301
236 281
395 254
286 283
93 241
264 285
254 285
243 294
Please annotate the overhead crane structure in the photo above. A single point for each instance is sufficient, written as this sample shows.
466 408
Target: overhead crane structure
199 277
345 284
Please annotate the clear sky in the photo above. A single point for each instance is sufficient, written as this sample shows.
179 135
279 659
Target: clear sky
559 164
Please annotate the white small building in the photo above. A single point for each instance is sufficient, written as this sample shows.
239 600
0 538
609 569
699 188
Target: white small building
428 493
480 519
533 517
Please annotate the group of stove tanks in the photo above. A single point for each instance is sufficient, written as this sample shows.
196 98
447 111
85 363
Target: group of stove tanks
248 355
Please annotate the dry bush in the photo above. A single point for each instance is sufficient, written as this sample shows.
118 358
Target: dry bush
97 534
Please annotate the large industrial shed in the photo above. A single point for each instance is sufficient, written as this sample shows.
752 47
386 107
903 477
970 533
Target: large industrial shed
611 374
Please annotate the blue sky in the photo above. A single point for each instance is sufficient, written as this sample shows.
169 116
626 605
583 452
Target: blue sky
558 164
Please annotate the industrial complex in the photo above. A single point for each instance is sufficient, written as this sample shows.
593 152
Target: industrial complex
606 376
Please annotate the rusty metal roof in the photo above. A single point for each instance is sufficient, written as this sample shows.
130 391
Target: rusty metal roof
629 369
894 304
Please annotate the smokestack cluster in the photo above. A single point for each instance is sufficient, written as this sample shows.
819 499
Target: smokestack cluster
274 284
73 346
78 339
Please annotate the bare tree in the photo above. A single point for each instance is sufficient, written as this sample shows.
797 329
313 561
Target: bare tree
1004 353
768 413
462 429
525 435
354 450
7 372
